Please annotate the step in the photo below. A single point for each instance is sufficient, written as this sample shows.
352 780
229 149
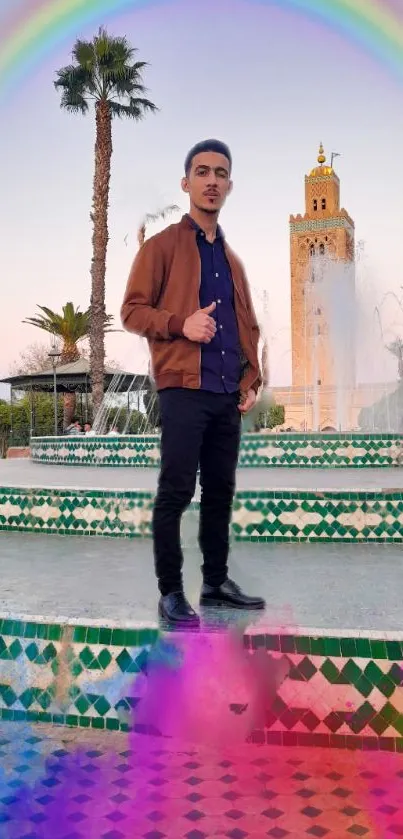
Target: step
78 623
284 505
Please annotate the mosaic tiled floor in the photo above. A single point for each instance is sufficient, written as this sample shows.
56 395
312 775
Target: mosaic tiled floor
47 793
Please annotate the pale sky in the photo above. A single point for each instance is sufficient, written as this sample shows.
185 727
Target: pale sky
268 82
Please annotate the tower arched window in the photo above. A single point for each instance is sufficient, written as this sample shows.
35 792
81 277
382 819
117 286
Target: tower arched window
321 249
323 203
315 204
312 250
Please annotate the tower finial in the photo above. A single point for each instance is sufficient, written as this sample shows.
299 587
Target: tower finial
321 155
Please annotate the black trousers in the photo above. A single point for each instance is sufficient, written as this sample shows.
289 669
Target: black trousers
198 428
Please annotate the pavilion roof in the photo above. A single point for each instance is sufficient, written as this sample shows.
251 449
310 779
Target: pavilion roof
75 377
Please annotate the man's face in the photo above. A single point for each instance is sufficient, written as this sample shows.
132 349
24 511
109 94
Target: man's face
208 182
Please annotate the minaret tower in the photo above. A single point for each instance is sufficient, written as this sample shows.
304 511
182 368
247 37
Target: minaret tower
325 231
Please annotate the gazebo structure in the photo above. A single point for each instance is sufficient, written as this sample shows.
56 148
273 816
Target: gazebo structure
75 378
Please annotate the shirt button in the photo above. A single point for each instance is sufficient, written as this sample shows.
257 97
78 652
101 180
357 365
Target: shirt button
218 301
222 352
223 377
217 275
220 325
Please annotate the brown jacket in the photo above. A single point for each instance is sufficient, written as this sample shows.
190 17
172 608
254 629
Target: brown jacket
163 290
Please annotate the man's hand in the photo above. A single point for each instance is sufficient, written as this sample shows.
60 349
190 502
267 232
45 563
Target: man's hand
200 327
247 402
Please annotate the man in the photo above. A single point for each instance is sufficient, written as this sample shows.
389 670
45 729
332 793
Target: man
74 427
188 295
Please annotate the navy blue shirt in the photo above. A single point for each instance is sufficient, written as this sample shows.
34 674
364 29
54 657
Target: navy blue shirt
221 358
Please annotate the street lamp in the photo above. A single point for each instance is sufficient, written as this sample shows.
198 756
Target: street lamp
54 355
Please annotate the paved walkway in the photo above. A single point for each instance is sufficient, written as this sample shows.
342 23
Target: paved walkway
108 786
353 587
23 473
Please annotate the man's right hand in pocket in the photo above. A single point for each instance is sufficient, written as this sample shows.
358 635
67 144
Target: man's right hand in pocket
201 327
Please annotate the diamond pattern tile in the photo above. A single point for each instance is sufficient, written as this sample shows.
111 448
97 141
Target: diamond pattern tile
339 691
303 450
259 515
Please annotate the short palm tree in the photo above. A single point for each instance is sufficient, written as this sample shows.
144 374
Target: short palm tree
150 218
70 327
105 73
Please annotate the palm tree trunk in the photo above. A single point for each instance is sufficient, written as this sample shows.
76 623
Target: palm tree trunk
100 236
70 353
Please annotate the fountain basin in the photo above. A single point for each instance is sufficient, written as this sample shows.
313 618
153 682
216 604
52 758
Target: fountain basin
262 449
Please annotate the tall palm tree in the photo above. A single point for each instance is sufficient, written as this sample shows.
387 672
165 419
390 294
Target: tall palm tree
105 73
150 218
70 327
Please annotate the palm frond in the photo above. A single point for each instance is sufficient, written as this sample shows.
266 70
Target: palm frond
106 45
132 72
72 325
84 54
150 218
75 83
134 110
41 323
74 103
73 76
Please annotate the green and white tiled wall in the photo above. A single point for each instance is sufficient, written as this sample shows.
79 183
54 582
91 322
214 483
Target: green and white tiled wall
303 450
258 515
342 690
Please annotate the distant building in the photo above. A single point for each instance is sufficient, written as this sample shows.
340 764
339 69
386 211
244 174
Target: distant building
324 394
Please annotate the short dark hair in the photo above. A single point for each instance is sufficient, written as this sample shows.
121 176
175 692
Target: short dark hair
207 145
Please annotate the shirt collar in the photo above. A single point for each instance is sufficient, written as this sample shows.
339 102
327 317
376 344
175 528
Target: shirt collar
200 232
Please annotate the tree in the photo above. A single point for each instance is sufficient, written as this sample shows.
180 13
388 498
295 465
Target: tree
5 426
103 72
150 218
15 420
151 405
396 348
34 358
71 327
274 416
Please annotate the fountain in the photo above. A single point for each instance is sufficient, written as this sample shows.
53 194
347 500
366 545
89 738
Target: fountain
344 348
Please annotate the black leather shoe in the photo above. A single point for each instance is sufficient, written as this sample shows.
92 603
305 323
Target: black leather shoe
175 610
230 596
